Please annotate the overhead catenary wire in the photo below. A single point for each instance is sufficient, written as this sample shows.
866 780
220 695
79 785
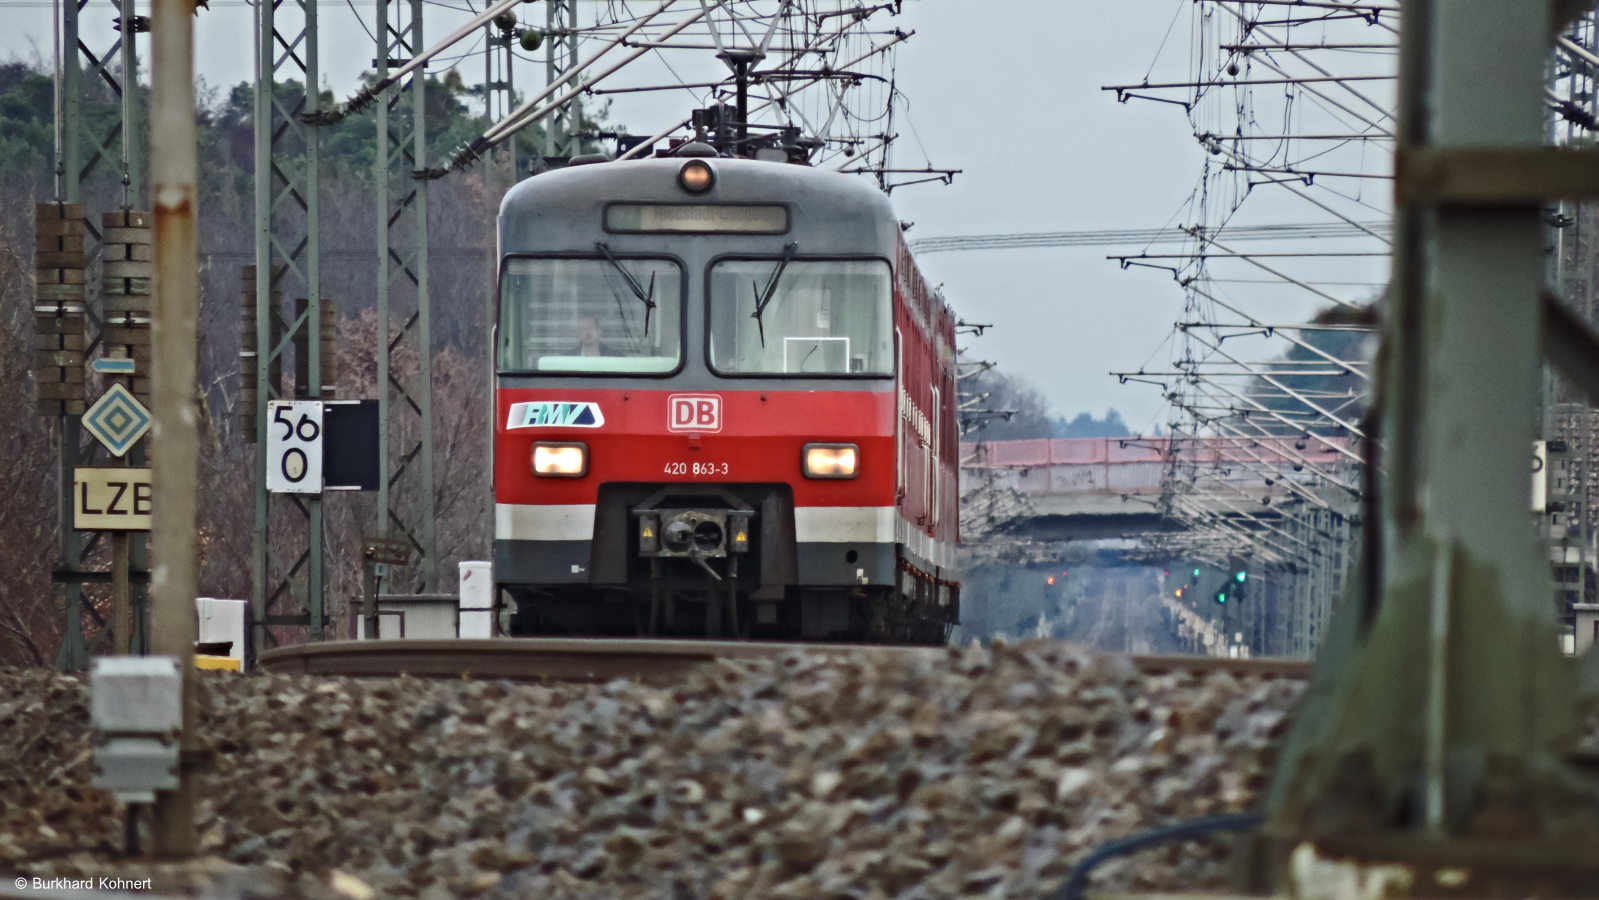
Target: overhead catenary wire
1216 383
1142 236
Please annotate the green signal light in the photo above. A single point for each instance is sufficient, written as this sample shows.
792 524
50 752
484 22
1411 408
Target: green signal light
1196 573
1221 598
1241 576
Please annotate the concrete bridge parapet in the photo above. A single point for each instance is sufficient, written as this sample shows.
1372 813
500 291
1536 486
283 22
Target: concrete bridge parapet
1088 488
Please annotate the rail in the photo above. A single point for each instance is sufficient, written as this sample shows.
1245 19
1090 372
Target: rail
656 661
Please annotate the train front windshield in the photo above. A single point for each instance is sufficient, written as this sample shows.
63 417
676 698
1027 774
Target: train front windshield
801 317
591 315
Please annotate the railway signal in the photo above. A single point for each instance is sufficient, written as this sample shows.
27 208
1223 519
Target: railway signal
322 445
117 420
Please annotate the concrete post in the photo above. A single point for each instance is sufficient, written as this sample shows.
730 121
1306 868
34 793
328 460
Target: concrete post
174 437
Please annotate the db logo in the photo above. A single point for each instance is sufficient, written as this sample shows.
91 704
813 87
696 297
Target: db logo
694 412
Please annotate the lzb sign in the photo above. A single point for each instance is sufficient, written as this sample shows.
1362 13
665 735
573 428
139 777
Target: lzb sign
111 499
294 447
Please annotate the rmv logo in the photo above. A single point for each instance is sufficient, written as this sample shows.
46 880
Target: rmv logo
544 413
694 412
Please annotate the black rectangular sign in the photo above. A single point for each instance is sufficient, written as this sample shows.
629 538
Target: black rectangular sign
350 445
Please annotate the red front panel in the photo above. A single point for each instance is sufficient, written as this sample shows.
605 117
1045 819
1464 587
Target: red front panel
753 436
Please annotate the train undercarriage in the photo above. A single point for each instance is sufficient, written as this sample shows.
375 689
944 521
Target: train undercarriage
868 614
720 561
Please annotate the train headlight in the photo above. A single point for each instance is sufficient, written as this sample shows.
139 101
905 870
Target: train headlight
553 459
696 176
832 460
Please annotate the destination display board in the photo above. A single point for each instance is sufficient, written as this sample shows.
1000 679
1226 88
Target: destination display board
697 218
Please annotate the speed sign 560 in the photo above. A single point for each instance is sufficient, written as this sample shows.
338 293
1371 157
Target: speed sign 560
294 447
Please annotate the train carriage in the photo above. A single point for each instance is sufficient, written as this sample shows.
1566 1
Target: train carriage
724 406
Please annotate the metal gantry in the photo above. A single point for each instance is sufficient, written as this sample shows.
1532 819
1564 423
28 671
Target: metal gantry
119 143
406 494
288 253
564 122
1308 127
499 83
1322 137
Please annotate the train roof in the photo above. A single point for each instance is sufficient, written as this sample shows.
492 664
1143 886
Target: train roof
831 212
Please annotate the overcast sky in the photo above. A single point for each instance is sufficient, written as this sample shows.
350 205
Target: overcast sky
1007 91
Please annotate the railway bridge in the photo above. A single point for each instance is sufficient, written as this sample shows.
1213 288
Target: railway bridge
1091 488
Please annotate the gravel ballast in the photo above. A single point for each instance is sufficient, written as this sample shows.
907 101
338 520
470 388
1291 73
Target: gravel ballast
932 773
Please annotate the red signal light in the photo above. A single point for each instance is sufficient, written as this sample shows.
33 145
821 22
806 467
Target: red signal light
1051 579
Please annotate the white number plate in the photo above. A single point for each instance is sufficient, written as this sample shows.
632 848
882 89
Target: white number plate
698 469
294 447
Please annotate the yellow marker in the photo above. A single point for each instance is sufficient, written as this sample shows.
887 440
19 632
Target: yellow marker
220 663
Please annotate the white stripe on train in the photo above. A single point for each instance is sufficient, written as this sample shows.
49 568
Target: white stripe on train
812 524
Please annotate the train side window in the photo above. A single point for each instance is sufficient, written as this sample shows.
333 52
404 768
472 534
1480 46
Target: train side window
583 316
818 318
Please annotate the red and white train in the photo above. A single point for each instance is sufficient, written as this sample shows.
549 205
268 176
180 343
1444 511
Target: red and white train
725 406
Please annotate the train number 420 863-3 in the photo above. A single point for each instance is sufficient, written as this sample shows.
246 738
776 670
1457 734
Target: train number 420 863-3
697 468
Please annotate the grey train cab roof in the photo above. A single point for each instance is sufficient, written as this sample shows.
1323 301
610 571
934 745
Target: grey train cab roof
830 212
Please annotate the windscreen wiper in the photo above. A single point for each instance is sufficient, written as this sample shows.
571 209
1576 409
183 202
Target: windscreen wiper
647 297
762 298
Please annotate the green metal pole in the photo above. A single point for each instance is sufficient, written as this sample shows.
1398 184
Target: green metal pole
132 161
260 558
380 183
560 57
313 324
424 312
509 43
72 654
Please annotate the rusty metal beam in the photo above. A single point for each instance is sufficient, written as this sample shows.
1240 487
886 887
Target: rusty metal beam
1494 176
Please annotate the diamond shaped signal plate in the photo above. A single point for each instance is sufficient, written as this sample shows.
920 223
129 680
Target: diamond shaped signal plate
117 420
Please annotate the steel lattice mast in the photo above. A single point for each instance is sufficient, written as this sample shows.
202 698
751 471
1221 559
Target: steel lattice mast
402 201
118 142
288 252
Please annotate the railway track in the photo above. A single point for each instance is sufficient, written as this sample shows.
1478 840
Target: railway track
594 659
